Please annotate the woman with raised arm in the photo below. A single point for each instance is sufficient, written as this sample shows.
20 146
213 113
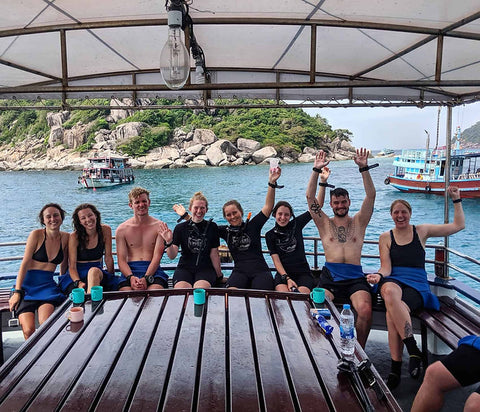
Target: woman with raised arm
286 246
244 240
403 280
45 249
199 264
88 244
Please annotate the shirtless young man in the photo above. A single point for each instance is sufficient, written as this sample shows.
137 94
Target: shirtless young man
140 246
342 238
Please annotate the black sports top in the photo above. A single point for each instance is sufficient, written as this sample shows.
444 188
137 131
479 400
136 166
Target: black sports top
410 255
88 255
41 254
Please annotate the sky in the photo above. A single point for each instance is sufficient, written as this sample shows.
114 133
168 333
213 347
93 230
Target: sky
397 127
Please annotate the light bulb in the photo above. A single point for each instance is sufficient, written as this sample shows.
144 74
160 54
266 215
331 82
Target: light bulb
174 58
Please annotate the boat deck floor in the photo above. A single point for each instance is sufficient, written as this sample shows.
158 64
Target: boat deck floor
376 349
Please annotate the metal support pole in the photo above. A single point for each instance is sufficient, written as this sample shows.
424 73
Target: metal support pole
448 169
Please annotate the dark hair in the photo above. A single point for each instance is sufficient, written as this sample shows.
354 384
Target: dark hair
403 202
56 206
282 203
234 203
80 229
339 191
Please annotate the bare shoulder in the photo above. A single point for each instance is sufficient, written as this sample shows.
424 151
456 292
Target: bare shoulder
122 227
384 237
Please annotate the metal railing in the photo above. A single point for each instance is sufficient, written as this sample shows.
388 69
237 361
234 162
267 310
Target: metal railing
441 265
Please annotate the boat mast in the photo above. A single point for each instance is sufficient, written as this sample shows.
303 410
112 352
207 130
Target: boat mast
426 153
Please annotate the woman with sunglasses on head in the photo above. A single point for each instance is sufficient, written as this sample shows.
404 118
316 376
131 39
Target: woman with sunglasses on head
45 250
286 246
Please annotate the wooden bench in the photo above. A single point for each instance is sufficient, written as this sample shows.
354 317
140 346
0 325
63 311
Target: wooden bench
451 323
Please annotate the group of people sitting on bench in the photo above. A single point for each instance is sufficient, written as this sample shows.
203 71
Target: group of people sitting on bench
142 240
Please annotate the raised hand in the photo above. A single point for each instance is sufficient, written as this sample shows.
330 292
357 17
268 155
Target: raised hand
361 157
320 160
274 174
453 192
165 232
179 209
325 174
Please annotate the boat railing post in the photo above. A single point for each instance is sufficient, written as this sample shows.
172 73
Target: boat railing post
315 253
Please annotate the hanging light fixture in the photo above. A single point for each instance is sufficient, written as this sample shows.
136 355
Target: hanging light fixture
174 58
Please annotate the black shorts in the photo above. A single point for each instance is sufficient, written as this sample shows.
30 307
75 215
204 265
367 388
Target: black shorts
342 289
464 364
157 281
257 280
184 274
31 306
412 297
301 279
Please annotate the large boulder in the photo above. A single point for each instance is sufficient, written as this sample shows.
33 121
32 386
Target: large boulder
204 136
159 164
56 136
248 145
260 155
57 119
119 114
163 152
215 155
225 146
196 149
126 131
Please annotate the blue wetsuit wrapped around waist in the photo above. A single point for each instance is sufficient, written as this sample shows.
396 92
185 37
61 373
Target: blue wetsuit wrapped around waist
139 268
40 285
344 271
416 278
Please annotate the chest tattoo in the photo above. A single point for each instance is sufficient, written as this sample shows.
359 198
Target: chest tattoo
341 233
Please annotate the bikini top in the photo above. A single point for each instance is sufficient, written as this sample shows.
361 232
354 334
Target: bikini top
41 254
96 253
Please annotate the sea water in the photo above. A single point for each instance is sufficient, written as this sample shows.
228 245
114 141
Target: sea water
24 193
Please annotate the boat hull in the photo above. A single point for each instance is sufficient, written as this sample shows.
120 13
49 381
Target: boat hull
469 188
95 183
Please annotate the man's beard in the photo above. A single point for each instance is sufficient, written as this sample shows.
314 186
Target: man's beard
341 214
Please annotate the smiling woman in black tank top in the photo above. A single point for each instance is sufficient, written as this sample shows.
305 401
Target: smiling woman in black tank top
403 281
89 242
45 249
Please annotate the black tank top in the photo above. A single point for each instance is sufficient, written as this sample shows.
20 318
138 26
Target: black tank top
41 254
410 255
88 255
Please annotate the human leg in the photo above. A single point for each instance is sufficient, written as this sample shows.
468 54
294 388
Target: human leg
362 303
94 278
203 284
473 402
27 322
44 312
395 344
437 381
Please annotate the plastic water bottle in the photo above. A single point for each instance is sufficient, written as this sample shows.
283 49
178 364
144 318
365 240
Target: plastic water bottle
347 333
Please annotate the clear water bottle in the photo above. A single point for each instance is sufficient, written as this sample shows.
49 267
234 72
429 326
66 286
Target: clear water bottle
347 333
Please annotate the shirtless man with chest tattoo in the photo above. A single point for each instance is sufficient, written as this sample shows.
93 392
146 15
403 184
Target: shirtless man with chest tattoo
342 238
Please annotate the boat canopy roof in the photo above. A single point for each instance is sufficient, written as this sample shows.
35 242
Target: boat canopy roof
318 53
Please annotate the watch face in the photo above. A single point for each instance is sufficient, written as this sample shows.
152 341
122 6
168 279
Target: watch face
150 279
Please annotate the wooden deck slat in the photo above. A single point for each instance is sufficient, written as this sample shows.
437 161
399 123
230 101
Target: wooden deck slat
47 343
95 372
212 388
461 318
275 386
154 374
181 384
337 384
305 381
96 348
243 379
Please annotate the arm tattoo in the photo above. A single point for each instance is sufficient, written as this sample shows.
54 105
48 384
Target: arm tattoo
408 330
315 207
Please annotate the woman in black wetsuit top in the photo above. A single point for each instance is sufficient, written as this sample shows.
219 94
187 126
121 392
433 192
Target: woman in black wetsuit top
244 240
45 249
286 246
403 280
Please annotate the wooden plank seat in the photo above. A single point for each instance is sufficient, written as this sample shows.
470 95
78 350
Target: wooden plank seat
451 323
156 350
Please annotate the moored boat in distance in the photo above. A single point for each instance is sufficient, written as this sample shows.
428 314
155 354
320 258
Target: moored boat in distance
423 171
386 153
106 171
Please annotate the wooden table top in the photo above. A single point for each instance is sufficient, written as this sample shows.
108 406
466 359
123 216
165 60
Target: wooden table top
139 351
